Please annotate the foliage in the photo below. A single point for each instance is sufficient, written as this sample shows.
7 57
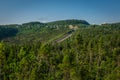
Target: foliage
91 53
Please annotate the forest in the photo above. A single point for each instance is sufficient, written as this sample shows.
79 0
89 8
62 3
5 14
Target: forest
92 52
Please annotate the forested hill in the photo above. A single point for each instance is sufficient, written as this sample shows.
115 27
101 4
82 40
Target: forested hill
61 22
92 52
33 23
69 22
37 31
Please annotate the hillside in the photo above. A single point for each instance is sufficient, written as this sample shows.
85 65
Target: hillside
36 31
90 53
69 22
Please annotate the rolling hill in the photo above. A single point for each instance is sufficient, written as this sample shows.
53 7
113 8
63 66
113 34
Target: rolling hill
60 50
36 31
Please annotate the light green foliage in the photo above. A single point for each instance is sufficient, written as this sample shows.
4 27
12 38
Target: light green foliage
2 53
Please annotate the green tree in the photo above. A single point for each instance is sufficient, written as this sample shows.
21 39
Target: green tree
2 61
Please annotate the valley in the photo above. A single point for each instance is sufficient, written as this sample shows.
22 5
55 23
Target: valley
60 50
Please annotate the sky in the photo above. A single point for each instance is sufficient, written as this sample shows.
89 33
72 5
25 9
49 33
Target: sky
93 11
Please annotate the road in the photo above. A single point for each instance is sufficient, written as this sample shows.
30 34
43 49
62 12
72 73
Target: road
66 36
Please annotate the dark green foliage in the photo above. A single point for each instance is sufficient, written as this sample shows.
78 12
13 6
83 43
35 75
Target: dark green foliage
7 32
33 23
69 22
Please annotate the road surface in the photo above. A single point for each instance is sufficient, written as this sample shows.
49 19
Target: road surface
64 37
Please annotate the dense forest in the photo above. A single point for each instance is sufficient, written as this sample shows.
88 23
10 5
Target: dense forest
36 31
92 52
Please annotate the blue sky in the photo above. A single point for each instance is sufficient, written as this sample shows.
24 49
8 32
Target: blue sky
93 11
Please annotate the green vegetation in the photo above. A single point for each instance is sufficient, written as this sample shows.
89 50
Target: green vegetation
7 31
37 32
68 22
91 53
